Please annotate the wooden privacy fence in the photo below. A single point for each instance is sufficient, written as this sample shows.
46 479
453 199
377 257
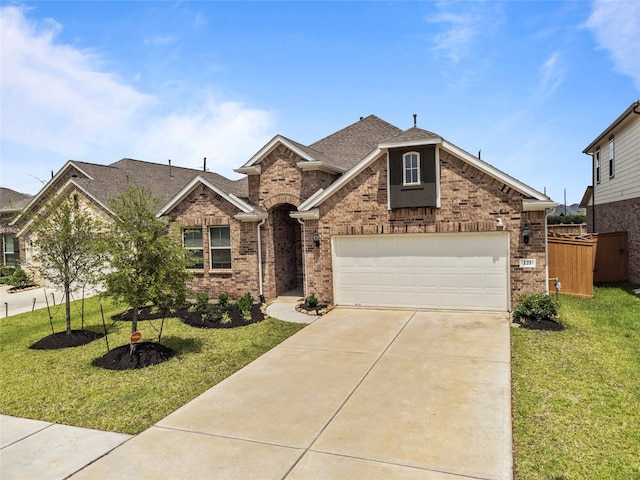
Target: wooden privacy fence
579 263
567 229
572 262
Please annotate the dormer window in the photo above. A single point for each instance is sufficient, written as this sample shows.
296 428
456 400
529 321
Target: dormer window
413 177
411 162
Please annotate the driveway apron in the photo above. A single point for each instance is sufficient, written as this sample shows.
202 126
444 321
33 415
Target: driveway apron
358 393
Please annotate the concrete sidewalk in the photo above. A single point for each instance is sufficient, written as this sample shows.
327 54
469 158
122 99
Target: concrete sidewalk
31 449
34 299
356 394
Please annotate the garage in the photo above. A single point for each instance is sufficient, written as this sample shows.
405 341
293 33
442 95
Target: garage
457 271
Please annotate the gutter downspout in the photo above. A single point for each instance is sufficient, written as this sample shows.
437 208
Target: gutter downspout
304 255
260 259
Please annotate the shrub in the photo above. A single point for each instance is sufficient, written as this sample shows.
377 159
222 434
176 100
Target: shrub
312 300
223 299
202 302
5 274
226 318
535 308
244 304
20 278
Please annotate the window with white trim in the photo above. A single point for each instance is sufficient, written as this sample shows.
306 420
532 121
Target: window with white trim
9 250
192 241
611 158
411 163
220 243
596 160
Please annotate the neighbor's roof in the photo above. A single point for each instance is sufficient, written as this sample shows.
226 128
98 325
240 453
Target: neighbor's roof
634 109
105 182
12 201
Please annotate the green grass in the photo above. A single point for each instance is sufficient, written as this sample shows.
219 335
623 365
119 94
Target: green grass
62 386
576 393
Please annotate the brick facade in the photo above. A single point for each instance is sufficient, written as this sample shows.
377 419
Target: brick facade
204 208
471 201
623 216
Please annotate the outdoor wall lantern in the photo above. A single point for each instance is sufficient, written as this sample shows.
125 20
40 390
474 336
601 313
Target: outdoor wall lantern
316 238
526 233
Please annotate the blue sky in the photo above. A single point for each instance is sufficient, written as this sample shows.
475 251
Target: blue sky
530 84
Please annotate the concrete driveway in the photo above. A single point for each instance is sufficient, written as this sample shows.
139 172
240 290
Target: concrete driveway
356 394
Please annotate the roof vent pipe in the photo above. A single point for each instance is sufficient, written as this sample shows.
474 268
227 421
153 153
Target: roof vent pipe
170 174
415 119
204 167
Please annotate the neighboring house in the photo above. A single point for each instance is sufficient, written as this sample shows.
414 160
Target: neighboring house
566 210
613 199
371 215
11 203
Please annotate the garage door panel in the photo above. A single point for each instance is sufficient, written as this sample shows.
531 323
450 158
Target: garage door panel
452 271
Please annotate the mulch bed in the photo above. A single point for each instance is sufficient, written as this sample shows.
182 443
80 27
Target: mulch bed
59 340
195 318
144 355
306 308
551 325
22 288
236 319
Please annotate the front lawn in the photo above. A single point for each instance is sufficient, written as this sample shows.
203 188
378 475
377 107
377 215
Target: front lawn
576 392
62 386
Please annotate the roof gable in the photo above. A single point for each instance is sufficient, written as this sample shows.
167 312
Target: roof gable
533 200
243 206
105 182
634 109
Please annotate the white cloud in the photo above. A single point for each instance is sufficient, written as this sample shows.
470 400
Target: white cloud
227 133
462 26
616 26
57 99
551 74
160 40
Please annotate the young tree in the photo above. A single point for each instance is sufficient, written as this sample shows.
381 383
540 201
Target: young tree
148 262
66 246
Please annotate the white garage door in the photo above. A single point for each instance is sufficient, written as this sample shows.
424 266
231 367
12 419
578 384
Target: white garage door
459 271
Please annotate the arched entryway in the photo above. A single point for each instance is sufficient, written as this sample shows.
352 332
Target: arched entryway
286 244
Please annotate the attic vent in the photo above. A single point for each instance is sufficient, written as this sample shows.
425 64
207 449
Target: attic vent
218 197
74 175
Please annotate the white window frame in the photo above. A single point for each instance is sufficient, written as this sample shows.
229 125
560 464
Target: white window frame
219 247
6 252
406 169
611 157
195 248
596 160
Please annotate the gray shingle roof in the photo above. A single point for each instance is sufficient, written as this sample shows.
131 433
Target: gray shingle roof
348 146
414 133
109 181
12 201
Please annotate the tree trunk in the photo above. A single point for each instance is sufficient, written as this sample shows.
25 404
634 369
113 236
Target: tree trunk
67 307
134 328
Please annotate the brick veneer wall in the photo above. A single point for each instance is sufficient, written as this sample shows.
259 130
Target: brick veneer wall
280 188
280 175
622 216
203 208
471 201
